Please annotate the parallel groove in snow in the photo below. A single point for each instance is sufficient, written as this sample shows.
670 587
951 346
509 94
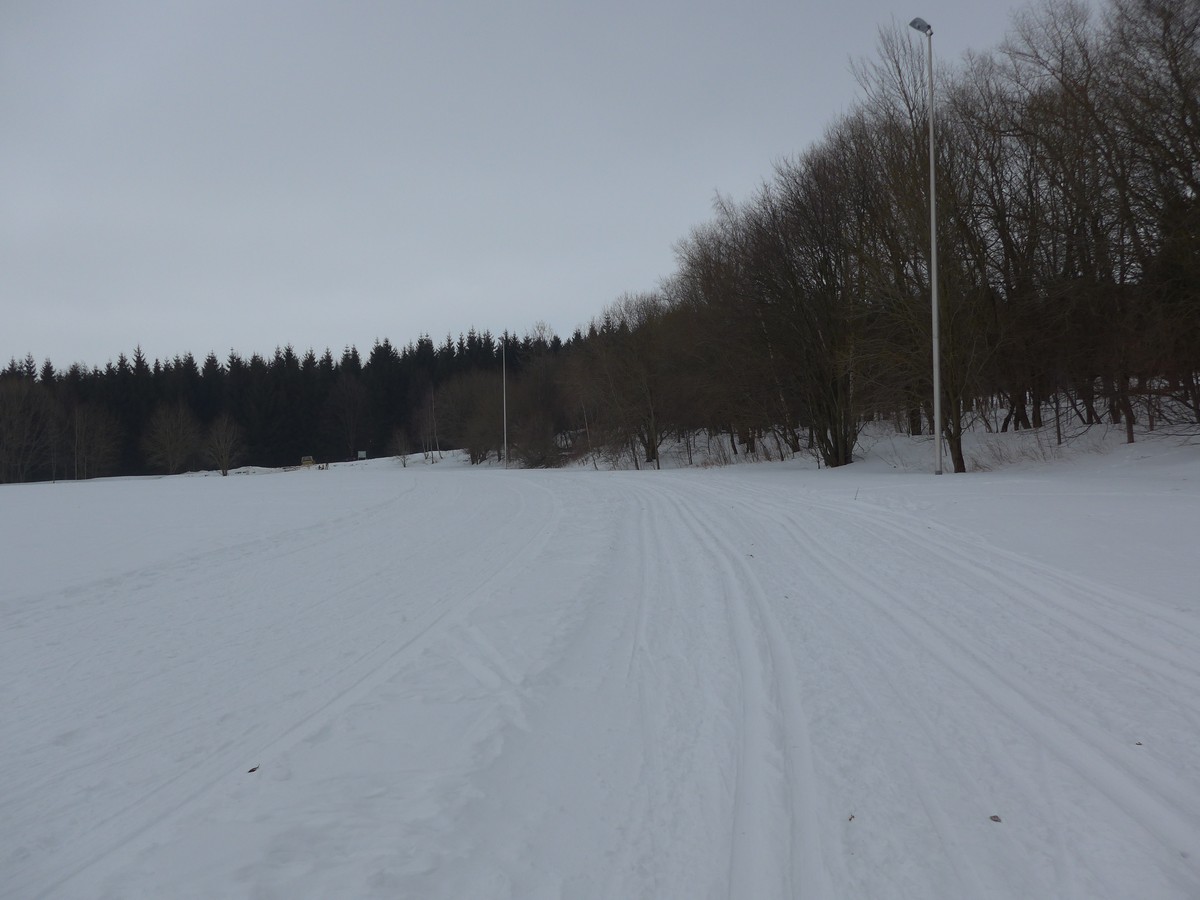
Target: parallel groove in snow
709 684
1162 803
767 678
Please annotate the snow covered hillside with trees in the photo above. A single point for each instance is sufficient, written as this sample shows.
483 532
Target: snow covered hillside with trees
755 681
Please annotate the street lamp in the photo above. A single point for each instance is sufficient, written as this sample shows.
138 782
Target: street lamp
926 29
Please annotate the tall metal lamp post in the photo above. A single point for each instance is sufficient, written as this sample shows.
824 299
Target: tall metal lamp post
926 29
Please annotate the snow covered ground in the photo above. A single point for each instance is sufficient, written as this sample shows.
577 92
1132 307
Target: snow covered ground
752 682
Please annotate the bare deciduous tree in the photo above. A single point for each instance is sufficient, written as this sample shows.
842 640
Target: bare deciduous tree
94 436
225 446
172 438
27 426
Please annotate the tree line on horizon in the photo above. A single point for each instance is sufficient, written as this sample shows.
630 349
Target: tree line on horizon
136 417
1068 194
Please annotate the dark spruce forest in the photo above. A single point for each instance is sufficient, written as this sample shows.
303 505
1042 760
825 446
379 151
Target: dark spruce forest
1068 195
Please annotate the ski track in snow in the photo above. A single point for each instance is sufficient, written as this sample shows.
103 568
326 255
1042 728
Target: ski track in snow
774 831
477 683
1057 621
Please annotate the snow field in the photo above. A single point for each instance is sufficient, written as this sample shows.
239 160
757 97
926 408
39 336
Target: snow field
761 681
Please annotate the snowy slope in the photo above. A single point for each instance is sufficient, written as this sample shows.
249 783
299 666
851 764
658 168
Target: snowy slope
754 682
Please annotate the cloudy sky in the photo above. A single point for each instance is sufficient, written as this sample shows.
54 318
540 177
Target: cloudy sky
196 175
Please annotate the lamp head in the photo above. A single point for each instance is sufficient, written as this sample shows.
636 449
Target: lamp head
922 26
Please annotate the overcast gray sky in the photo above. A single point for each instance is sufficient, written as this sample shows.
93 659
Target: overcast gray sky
196 175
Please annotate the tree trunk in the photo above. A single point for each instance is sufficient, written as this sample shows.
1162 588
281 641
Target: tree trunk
914 421
1127 408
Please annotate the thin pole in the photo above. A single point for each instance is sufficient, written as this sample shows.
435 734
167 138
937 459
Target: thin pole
933 275
504 391
433 412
